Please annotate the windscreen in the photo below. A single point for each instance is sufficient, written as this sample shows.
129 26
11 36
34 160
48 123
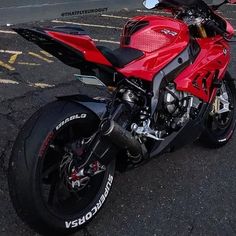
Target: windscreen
180 2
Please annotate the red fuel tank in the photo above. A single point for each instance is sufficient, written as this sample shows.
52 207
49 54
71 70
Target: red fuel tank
160 38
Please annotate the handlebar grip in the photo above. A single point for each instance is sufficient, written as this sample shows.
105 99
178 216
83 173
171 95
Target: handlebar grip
211 25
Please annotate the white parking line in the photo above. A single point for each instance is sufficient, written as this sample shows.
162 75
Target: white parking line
156 12
11 52
41 85
28 64
35 85
116 17
8 81
7 32
89 25
106 41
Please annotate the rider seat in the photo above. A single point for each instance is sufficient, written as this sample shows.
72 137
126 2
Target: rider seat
120 56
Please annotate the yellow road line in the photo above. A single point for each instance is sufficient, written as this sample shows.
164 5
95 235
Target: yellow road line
28 64
6 66
46 54
40 57
13 58
8 81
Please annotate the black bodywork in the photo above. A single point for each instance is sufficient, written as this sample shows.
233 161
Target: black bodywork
63 52
66 54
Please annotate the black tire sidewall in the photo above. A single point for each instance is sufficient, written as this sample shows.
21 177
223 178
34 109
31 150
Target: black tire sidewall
26 192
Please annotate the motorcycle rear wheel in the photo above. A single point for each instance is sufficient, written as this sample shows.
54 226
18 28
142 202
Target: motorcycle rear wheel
39 173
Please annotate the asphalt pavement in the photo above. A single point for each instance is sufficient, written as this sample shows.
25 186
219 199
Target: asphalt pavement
189 192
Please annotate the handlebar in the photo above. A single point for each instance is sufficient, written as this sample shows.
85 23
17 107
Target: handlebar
216 7
211 25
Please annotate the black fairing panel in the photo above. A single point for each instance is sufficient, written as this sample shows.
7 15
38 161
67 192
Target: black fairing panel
187 134
63 52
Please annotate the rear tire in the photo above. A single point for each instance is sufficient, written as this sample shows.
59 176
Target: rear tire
220 127
40 199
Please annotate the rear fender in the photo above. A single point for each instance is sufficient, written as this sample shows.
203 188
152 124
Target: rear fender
97 106
101 147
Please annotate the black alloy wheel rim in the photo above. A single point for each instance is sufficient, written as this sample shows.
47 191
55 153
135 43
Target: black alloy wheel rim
57 197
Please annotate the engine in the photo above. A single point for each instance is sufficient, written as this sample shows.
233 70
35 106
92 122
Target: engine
175 109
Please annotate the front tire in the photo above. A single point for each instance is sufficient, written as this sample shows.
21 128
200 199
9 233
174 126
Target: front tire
39 171
220 123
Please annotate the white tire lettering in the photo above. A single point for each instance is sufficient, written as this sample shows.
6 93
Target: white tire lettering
99 204
74 224
82 220
74 117
102 199
106 192
89 216
68 224
83 116
94 210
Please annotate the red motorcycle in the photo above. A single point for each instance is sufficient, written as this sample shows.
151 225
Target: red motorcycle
168 85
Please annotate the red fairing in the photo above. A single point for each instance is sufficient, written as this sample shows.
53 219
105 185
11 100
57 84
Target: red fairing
212 60
161 41
82 43
229 29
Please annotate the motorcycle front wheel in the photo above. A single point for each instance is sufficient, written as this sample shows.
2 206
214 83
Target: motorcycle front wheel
220 124
47 192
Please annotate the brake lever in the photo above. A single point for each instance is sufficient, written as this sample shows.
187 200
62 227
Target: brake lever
216 7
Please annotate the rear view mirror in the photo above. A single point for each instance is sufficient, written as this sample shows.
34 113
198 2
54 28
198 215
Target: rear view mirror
150 4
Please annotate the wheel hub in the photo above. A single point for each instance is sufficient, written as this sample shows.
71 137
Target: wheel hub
221 104
78 180
74 178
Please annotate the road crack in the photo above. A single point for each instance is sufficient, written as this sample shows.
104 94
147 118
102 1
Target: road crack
4 154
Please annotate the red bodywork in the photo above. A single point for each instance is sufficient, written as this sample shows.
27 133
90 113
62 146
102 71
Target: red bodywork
159 48
83 44
161 41
213 58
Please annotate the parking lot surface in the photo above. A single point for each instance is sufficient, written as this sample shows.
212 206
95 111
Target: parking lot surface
189 192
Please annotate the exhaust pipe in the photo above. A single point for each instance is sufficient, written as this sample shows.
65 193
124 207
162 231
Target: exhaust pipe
121 137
